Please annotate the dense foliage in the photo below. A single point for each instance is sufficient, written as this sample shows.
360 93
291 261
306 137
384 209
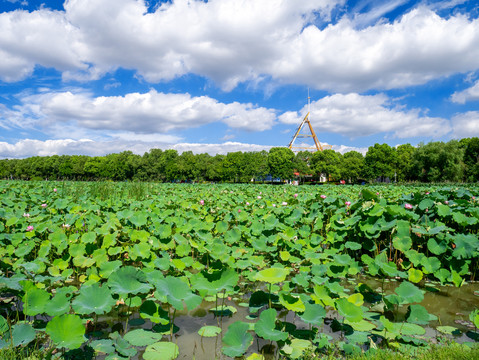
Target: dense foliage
454 161
78 252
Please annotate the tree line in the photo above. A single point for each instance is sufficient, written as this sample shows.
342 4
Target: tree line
455 161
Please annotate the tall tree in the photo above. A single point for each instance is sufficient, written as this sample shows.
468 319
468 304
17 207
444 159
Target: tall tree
327 162
380 162
352 166
280 161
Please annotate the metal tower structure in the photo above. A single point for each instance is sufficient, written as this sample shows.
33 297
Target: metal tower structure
317 145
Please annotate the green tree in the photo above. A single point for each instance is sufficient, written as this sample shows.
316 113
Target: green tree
352 166
280 161
327 162
380 162
404 155
438 161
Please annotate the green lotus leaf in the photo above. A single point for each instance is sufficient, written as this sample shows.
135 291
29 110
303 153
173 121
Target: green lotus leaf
138 219
128 280
66 331
122 346
349 310
448 330
431 265
220 281
409 293
60 303
265 326
467 246
437 247
414 275
152 311
140 337
34 300
22 334
474 317
93 299
103 346
290 302
299 346
209 331
175 291
3 325
161 351
272 275
419 315
313 314
362 325
237 339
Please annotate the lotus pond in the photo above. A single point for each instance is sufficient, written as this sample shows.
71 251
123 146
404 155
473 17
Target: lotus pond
163 271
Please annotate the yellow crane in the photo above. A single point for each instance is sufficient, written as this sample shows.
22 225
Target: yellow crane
317 145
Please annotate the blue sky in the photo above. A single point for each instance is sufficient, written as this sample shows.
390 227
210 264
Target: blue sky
95 77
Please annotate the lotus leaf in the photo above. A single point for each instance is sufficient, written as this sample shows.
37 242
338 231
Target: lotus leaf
265 326
140 337
299 346
34 300
237 339
272 275
417 314
409 293
291 302
22 334
152 311
93 299
448 330
349 310
161 351
414 275
128 280
66 331
209 331
437 247
175 291
313 314
60 303
103 346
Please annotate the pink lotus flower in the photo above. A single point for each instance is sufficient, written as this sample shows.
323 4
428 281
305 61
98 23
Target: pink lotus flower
247 203
295 196
29 228
66 226
408 206
323 196
202 202
274 205
27 215
259 197
44 206
377 193
348 203
55 189
446 202
284 203
239 210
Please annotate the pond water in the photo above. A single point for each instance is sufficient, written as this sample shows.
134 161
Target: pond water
451 305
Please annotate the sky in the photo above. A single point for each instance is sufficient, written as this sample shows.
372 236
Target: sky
94 77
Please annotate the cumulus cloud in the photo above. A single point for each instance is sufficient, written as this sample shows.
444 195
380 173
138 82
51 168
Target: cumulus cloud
139 113
466 124
231 41
469 94
357 115
28 147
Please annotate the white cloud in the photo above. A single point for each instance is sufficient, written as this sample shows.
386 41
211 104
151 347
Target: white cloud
355 115
231 41
466 125
28 147
469 94
139 113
